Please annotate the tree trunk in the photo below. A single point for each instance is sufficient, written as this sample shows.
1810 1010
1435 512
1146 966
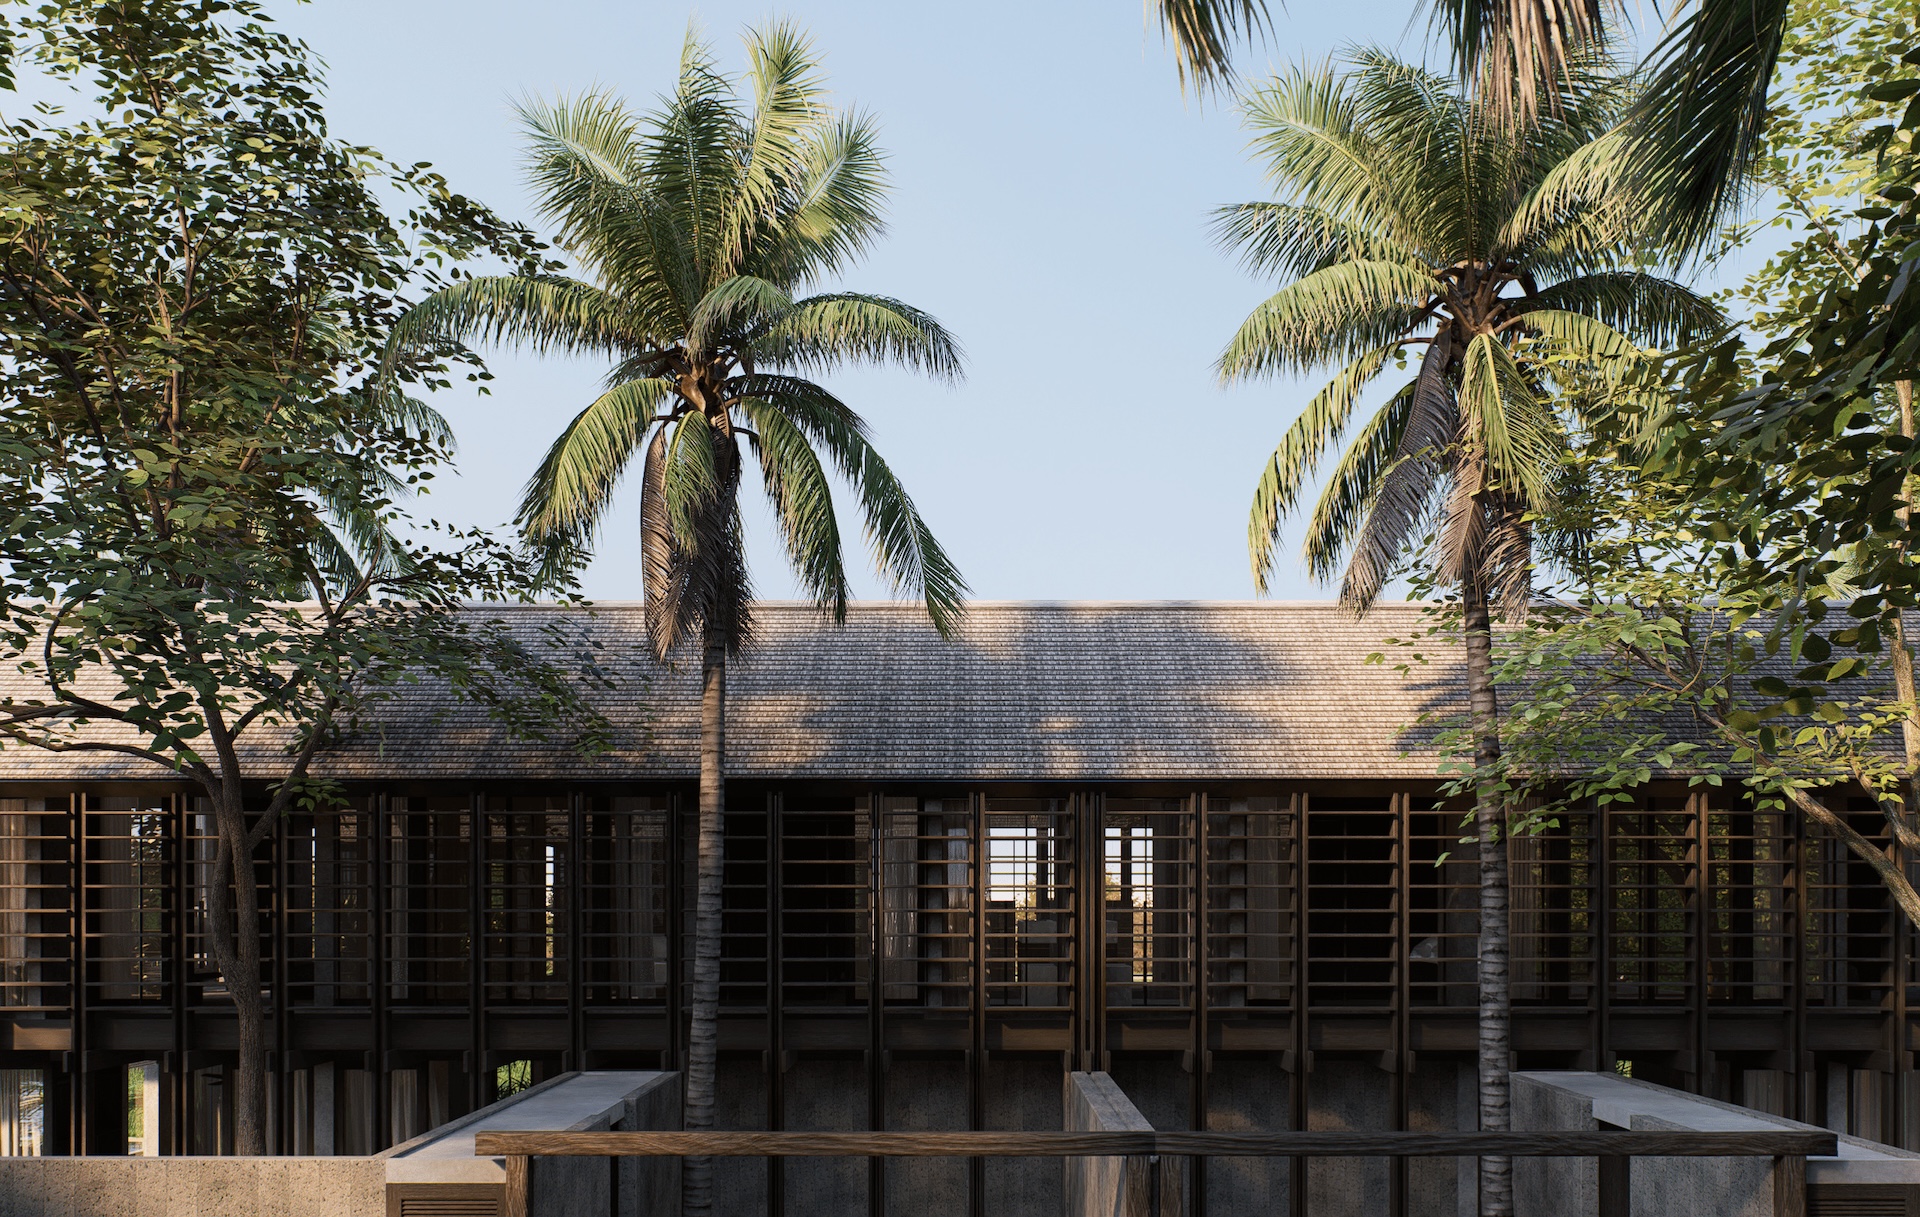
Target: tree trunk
701 1090
233 936
1489 816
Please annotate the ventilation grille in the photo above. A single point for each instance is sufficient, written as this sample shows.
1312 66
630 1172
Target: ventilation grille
1843 1201
458 1206
444 1200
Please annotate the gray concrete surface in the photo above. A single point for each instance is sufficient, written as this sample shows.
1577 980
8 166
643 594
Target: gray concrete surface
1022 1094
357 1186
1348 1095
1091 1187
925 1095
1249 1094
1735 1187
826 1095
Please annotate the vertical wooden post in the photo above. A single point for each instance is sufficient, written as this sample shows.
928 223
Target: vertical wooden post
1139 1186
518 1174
1790 1186
1616 1187
1152 1186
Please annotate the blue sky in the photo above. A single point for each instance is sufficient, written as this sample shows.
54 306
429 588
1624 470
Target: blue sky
1051 193
1051 190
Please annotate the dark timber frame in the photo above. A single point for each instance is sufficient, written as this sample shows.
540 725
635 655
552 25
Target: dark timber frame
458 928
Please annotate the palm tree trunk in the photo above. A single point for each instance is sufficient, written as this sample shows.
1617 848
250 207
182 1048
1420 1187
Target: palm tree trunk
702 1036
1489 814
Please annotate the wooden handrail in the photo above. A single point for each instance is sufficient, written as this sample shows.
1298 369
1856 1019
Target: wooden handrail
1784 1143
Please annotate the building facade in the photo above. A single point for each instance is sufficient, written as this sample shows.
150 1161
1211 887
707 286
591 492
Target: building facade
1194 845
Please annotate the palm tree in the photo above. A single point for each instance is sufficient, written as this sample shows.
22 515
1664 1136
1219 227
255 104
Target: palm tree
1410 224
699 228
1697 124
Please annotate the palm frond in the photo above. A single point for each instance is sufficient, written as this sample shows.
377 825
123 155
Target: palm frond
1287 471
692 152
787 95
1339 312
1292 241
700 504
542 313
1340 513
834 214
1649 310
392 407
586 162
1516 48
1588 186
569 492
740 303
1696 128
904 548
1402 492
1203 33
1504 417
1307 131
841 327
803 505
669 612
1399 494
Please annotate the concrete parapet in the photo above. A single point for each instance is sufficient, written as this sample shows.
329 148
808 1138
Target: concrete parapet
1735 1187
439 1165
1093 1186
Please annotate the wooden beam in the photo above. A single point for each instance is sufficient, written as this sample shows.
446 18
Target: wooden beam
1766 1144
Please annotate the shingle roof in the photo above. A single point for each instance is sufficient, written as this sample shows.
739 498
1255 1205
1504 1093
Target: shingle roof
1028 691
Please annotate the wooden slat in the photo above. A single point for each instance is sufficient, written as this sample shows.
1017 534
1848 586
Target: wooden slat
1112 1144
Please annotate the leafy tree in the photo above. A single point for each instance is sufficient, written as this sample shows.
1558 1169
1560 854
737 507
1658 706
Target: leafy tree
204 561
1410 223
1738 611
1648 665
700 229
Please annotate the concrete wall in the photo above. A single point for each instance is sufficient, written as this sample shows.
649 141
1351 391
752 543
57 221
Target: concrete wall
926 1095
566 1187
650 1187
826 1094
1348 1096
358 1186
1023 1094
1250 1094
193 1187
1549 1187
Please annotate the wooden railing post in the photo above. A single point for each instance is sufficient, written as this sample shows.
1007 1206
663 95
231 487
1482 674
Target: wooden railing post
1140 1186
1616 1187
1790 1186
518 1173
1152 1186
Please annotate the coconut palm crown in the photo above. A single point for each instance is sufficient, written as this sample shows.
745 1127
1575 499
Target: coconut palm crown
1411 228
699 230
